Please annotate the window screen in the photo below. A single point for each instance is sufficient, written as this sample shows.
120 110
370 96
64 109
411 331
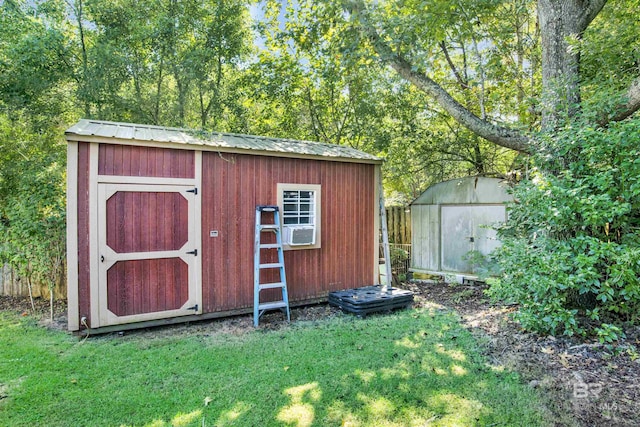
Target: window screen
299 207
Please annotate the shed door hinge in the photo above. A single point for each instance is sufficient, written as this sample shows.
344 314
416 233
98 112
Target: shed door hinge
194 191
193 252
194 308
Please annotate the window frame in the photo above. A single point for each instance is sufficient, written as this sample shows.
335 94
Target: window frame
317 205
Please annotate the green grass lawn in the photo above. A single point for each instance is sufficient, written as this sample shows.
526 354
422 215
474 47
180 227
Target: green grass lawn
410 368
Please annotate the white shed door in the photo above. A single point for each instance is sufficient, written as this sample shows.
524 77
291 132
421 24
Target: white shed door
465 229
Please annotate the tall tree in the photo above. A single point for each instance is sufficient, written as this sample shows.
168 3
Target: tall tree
334 94
35 101
388 26
570 246
325 87
163 62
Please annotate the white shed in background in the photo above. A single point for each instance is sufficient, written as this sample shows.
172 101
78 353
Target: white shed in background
451 219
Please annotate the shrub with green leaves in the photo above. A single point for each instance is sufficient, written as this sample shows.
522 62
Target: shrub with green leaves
32 198
571 248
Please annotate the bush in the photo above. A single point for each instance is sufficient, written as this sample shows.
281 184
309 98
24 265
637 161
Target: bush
32 199
571 248
398 255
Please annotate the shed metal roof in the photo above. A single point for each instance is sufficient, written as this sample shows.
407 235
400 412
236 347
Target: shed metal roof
468 190
92 130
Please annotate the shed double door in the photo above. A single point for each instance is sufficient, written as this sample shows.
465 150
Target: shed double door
148 251
467 228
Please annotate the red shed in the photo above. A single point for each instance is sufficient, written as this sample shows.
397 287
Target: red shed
160 221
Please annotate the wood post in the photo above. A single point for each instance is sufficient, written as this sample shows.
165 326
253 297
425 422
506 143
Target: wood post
385 236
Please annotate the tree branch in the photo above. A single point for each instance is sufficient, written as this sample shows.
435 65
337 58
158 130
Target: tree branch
316 123
591 9
462 83
626 109
505 137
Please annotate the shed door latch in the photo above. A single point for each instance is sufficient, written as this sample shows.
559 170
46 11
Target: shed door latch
194 191
193 252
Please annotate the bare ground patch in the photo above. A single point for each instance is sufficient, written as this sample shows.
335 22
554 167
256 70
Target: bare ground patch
588 384
22 307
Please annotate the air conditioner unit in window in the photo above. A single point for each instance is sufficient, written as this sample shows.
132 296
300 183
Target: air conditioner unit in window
300 235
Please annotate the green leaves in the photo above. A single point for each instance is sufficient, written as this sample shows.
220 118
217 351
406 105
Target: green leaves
35 101
32 48
571 244
32 200
164 62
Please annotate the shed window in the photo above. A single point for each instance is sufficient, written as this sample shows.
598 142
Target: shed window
300 207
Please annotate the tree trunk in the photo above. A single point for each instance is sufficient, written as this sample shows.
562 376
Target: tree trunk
78 8
181 86
478 163
560 21
560 66
156 110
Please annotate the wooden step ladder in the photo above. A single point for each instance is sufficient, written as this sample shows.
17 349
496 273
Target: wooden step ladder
265 248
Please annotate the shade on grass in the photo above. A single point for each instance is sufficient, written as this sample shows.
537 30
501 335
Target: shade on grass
412 367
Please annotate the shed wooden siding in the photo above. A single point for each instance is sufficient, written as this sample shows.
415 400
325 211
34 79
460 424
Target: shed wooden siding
84 233
127 160
232 185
